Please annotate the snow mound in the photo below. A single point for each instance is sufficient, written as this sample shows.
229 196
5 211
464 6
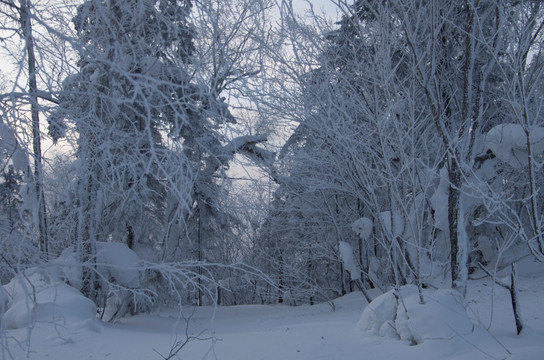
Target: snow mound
69 268
400 315
4 299
438 201
348 259
114 261
386 218
117 261
363 227
35 296
50 293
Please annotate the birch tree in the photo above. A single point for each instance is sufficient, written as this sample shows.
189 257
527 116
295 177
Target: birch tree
18 18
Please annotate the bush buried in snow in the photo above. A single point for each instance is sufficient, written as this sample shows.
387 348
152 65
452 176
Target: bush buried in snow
399 314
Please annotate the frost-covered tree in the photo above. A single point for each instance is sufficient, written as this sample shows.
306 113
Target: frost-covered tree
230 41
396 106
133 89
355 153
445 66
21 39
149 122
29 47
16 204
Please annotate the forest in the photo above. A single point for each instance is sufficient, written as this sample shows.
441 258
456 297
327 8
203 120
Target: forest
188 153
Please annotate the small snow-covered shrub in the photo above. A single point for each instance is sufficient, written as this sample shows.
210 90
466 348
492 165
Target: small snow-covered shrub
68 268
379 313
119 268
35 296
119 263
399 314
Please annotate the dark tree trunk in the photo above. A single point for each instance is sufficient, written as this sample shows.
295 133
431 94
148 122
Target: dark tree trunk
26 27
456 261
514 296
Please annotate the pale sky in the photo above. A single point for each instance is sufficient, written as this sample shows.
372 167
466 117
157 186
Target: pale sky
320 6
326 5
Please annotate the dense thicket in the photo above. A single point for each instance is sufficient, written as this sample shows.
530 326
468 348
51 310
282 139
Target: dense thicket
410 144
152 135
418 143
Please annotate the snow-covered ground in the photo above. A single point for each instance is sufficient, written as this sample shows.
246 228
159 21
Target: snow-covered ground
307 332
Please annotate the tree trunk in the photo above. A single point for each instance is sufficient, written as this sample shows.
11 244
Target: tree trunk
458 240
458 247
280 283
86 242
26 27
514 296
199 244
